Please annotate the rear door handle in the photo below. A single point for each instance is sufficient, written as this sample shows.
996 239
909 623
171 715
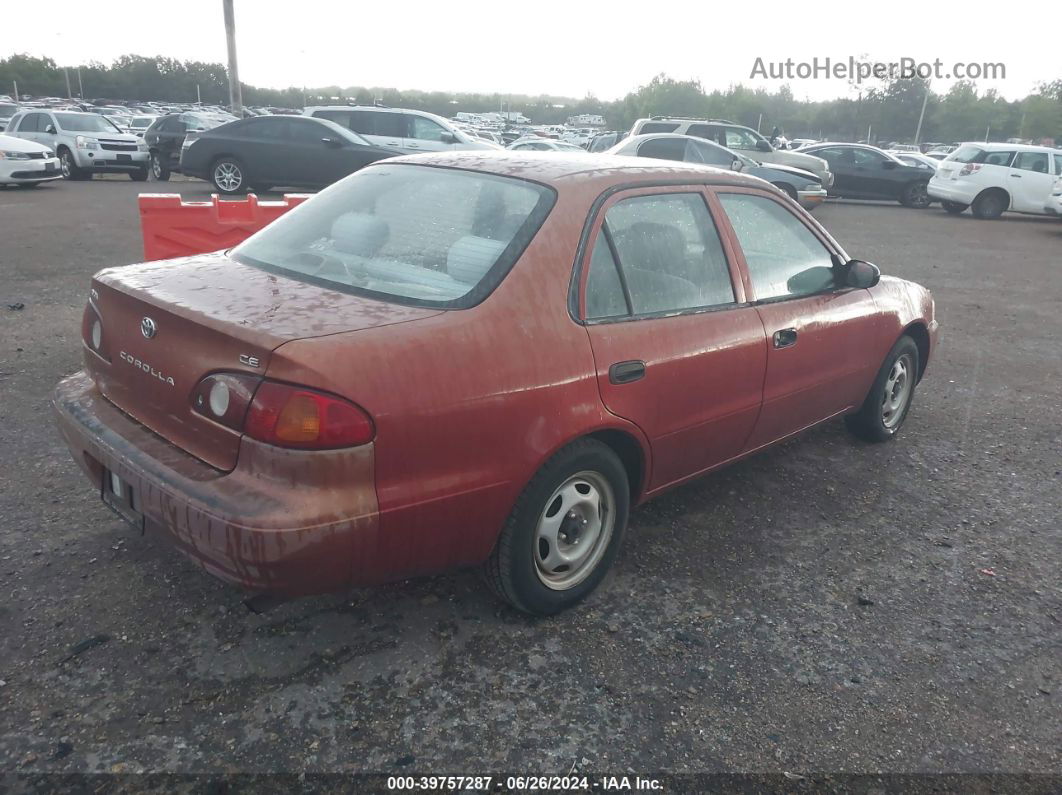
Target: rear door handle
626 372
785 338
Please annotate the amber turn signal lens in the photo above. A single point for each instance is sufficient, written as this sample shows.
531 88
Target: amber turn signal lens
292 416
299 420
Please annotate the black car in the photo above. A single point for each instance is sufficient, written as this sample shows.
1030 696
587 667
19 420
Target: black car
166 136
265 151
866 172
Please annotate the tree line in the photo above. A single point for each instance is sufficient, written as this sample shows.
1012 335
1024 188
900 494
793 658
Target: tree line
887 110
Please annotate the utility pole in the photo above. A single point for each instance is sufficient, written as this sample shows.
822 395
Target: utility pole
198 96
80 88
15 84
235 96
987 130
922 115
66 74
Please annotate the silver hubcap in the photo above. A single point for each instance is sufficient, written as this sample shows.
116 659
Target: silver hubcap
156 167
228 176
64 164
897 392
574 530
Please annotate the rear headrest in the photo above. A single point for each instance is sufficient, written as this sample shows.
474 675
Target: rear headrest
471 257
359 233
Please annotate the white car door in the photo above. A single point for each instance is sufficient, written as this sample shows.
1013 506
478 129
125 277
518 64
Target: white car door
31 127
381 128
1030 181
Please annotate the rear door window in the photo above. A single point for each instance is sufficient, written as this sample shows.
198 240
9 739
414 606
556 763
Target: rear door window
1058 164
704 131
995 158
31 123
1033 161
341 117
665 253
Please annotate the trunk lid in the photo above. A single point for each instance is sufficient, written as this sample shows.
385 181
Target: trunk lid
168 324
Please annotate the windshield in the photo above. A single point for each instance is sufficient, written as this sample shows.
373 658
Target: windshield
411 234
142 122
85 122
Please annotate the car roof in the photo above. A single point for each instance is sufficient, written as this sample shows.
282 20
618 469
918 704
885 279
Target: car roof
999 146
594 171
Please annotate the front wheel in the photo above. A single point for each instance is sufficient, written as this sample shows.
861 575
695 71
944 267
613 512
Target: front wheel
954 208
883 412
564 531
228 176
139 176
915 195
787 189
159 170
68 166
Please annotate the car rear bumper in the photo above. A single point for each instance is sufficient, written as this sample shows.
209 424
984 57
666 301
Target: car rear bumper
288 522
950 191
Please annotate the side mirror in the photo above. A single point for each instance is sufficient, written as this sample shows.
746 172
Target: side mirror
888 165
50 129
737 165
764 146
861 274
448 138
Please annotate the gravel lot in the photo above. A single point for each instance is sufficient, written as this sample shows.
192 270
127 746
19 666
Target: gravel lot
828 606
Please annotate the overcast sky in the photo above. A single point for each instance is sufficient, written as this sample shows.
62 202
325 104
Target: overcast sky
569 49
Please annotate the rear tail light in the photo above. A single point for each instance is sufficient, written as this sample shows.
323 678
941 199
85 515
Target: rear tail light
292 416
969 168
282 414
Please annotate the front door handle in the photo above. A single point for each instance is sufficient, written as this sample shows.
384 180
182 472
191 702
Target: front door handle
785 338
626 372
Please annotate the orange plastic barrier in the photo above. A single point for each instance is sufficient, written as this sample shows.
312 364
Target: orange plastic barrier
175 228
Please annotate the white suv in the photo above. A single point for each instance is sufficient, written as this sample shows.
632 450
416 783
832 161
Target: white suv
992 178
741 139
408 131
85 143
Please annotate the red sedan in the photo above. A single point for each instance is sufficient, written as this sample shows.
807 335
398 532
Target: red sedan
477 359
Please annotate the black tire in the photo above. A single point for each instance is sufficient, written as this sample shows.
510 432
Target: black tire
160 172
870 422
68 166
915 195
514 571
955 208
139 176
787 189
989 205
229 186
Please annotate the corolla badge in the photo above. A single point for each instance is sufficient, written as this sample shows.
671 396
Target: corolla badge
148 328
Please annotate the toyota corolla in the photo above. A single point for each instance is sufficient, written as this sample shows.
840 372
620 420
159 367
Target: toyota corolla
476 359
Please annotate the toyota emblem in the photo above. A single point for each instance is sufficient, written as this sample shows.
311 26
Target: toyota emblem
148 328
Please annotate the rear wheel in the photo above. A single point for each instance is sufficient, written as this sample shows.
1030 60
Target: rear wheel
228 175
989 205
159 170
139 176
564 531
915 195
885 408
955 208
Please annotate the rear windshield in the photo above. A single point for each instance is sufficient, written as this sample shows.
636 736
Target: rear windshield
85 122
975 154
197 122
409 234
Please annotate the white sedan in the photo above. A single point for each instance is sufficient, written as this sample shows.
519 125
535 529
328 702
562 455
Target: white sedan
24 162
